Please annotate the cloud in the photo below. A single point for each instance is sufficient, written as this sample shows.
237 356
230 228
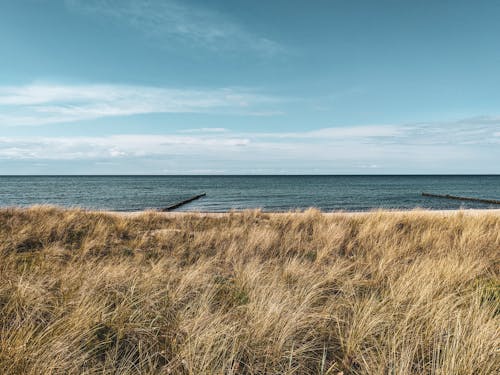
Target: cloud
204 130
367 145
473 131
38 104
359 131
114 146
470 131
170 20
463 146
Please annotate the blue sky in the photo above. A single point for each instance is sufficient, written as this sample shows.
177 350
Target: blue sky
246 87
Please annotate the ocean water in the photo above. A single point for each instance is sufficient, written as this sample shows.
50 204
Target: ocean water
270 193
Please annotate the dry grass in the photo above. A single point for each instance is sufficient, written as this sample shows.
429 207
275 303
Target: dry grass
248 293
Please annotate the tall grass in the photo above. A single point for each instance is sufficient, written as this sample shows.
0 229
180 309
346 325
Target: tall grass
248 293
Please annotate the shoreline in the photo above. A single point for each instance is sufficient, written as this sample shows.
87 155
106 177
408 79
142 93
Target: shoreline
466 211
472 211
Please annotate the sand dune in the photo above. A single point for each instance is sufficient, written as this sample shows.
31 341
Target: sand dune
249 293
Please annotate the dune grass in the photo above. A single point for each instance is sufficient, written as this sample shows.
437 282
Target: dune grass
249 293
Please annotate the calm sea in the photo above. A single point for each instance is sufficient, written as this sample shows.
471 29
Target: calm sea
271 193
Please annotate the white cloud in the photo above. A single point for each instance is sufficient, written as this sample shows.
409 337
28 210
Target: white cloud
114 146
204 130
166 20
38 104
475 131
368 145
342 132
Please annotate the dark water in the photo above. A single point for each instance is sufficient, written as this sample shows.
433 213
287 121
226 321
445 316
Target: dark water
271 193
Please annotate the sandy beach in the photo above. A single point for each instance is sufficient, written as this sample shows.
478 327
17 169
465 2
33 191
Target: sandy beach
471 212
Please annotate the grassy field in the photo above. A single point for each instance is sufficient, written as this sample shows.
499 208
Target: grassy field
249 293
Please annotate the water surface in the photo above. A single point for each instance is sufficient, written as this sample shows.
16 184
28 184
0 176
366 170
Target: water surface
270 193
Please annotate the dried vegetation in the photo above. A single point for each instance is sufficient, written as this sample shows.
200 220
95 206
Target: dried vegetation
249 293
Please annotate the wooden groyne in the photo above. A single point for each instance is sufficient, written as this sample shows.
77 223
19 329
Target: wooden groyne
181 203
448 196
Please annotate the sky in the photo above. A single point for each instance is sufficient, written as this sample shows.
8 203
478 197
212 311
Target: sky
249 87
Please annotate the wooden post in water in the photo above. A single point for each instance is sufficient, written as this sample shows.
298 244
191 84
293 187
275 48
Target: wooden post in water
447 196
181 203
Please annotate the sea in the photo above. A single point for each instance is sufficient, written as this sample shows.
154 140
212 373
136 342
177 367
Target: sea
269 193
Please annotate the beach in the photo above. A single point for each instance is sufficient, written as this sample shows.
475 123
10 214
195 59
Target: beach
249 187
469 212
250 292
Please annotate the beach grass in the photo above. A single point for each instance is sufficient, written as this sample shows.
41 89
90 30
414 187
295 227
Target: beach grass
410 292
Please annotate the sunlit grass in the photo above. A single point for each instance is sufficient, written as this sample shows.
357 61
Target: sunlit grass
249 293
